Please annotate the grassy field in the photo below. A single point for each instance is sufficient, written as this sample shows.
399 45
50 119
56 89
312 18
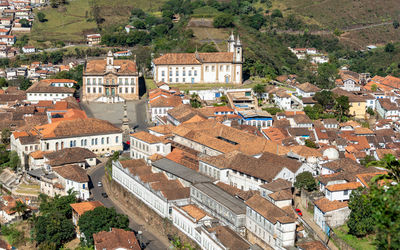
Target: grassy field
150 84
342 13
357 243
117 12
67 23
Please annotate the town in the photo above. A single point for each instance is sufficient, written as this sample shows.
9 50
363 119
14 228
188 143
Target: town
108 146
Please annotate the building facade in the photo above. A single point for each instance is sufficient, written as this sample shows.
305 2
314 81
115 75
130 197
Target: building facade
109 80
216 67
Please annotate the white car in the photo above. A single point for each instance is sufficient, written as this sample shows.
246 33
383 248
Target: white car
107 154
99 184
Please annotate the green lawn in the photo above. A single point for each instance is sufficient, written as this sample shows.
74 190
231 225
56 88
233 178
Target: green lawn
357 243
150 84
66 23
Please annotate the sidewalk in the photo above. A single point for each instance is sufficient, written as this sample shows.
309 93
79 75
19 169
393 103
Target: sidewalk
309 219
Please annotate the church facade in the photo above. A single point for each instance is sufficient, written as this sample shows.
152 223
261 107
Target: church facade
192 68
110 80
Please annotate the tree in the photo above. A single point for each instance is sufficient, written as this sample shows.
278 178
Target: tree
139 13
370 111
389 48
305 180
24 83
367 159
374 87
327 74
101 219
3 82
391 164
342 107
20 208
15 162
41 17
53 228
360 221
4 155
396 24
276 13
195 100
259 89
325 98
223 21
58 204
24 23
309 143
5 135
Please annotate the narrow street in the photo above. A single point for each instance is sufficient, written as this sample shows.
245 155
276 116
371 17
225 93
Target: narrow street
147 239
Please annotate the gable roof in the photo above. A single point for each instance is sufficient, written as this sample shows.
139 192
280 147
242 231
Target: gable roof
268 210
76 127
126 67
45 87
326 205
69 156
147 137
229 238
308 87
83 207
72 172
116 239
193 58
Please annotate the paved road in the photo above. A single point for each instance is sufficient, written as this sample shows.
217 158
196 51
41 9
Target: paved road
147 238
114 112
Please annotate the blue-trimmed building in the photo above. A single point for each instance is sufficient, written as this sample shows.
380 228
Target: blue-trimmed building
260 119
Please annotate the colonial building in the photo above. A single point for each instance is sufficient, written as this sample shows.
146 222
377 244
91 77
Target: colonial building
109 80
216 67
50 90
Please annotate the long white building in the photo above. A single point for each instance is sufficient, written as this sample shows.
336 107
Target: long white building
214 67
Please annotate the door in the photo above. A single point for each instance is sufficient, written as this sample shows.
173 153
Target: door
226 79
192 80
112 91
107 91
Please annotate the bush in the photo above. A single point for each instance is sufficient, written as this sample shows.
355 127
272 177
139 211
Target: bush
273 110
12 234
223 21
276 13
370 111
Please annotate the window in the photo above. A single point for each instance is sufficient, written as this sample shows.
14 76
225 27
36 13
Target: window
116 139
206 68
126 81
190 73
177 72
100 81
95 141
213 68
170 73
94 90
126 90
177 80
88 90
132 81
170 79
94 81
195 73
102 140
184 73
227 67
132 90
108 140
345 192
221 68
88 81
113 81
100 90
120 90
163 73
183 79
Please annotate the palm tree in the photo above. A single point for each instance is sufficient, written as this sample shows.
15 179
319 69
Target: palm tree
391 164
20 208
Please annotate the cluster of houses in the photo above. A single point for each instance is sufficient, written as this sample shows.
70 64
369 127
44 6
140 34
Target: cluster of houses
311 54
11 15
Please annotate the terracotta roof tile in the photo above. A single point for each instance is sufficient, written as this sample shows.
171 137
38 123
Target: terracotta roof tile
193 59
68 156
343 186
312 245
194 211
326 205
116 239
308 87
83 207
147 137
99 67
268 210
229 238
72 172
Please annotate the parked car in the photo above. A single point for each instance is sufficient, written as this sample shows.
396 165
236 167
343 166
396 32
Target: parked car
104 195
99 184
298 211
107 154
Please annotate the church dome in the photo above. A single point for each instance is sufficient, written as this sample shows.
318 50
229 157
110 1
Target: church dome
331 154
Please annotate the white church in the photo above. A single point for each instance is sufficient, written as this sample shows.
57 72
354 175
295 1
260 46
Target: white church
214 67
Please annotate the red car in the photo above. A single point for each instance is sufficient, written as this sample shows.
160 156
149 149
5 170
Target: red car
298 211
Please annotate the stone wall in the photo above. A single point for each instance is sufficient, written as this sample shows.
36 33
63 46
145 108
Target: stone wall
162 225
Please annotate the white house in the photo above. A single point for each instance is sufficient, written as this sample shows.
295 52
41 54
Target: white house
96 135
153 189
124 53
28 49
50 90
144 145
214 67
387 109
350 84
9 40
268 225
340 192
159 107
73 177
307 89
330 214
283 100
